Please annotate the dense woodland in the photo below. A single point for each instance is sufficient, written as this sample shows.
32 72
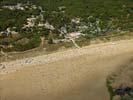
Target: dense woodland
102 15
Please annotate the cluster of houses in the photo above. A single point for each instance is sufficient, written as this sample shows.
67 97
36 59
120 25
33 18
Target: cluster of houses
31 22
38 21
8 32
20 6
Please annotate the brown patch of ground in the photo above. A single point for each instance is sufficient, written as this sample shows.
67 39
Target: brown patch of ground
80 77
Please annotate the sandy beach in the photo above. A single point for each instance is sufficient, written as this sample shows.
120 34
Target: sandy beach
76 74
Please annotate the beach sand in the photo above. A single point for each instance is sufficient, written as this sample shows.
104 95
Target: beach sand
77 74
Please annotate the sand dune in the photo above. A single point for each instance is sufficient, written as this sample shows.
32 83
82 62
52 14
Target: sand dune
77 74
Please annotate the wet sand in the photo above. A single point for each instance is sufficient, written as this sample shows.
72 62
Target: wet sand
81 77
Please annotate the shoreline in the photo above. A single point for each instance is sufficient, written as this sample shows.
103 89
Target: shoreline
12 56
96 49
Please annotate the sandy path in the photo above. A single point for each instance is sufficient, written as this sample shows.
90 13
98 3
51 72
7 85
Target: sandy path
77 74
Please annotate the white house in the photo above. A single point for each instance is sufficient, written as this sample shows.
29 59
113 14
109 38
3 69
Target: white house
48 26
76 20
30 22
41 24
74 35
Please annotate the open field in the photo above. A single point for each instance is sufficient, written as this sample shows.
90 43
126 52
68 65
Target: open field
77 74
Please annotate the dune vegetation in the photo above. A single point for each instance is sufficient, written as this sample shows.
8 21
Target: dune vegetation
55 19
